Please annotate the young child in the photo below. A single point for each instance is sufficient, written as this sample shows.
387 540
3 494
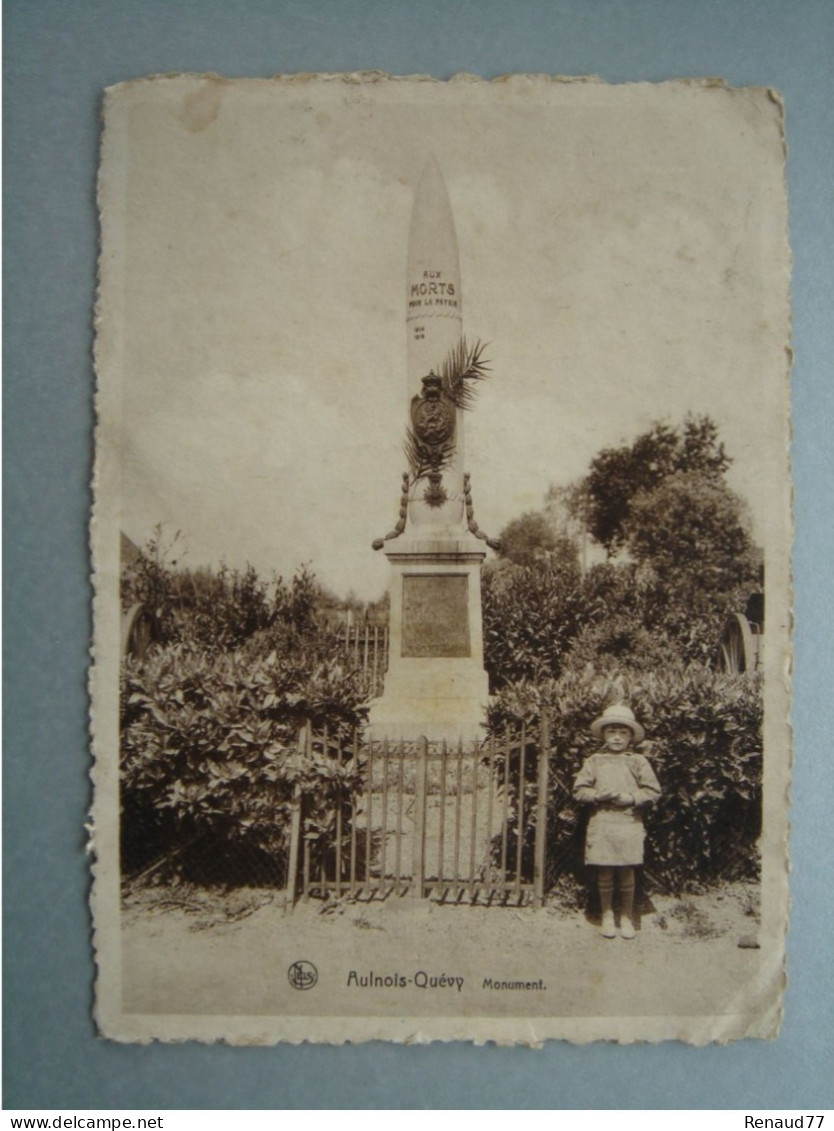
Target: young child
619 784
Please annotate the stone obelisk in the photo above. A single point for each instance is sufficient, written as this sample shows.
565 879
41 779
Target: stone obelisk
434 327
435 684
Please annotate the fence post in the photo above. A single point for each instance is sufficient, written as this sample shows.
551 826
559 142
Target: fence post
295 836
418 860
541 812
295 825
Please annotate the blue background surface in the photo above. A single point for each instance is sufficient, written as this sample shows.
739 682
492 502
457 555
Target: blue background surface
59 56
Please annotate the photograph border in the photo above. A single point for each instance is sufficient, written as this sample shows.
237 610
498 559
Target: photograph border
59 58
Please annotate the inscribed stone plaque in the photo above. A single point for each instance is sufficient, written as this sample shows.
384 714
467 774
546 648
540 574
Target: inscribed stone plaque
436 615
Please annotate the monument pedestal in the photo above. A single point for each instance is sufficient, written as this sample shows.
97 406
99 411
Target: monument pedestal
435 684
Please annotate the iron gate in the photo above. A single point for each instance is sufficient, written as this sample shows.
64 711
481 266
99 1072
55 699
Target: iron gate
451 822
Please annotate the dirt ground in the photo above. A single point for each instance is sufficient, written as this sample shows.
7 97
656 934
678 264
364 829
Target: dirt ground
187 951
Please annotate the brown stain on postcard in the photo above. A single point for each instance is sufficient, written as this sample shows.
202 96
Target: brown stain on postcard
201 107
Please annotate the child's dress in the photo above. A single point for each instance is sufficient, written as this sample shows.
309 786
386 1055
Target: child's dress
615 835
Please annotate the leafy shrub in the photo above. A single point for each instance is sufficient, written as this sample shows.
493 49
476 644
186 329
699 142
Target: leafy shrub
704 741
529 618
618 627
210 719
295 627
209 751
152 580
223 610
542 620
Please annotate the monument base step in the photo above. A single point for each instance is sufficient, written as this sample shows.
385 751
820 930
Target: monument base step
455 720
448 704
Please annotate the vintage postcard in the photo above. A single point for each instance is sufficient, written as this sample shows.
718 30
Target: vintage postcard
442 542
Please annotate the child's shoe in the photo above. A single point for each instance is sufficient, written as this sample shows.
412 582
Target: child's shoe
626 927
608 929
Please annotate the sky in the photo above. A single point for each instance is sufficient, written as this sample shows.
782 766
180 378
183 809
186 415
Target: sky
622 251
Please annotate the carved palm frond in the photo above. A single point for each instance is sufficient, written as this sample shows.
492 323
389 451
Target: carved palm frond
462 368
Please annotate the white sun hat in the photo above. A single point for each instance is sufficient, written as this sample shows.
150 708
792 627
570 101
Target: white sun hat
618 715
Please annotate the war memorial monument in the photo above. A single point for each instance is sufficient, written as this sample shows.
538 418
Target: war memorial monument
436 685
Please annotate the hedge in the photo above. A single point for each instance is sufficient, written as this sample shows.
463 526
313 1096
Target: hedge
209 755
704 740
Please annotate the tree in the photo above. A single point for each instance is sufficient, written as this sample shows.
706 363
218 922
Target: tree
533 537
693 533
693 527
619 475
680 558
567 508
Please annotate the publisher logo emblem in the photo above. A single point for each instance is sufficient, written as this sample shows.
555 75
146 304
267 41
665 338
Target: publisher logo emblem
302 975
